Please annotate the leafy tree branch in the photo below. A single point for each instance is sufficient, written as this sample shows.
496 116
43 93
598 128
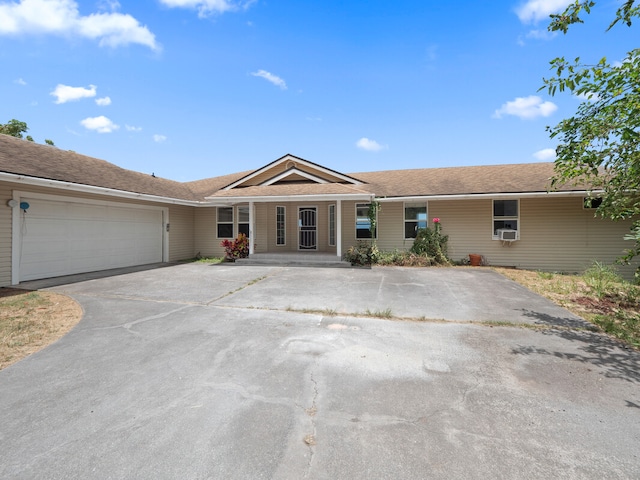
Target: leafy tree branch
599 146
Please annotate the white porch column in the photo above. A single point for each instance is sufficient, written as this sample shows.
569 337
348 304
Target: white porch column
252 238
339 228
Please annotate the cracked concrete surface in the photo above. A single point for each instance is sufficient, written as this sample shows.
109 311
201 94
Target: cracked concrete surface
200 372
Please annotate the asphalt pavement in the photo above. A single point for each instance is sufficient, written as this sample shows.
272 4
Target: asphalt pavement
218 371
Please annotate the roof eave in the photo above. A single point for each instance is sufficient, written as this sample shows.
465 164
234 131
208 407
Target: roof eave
76 187
321 197
496 195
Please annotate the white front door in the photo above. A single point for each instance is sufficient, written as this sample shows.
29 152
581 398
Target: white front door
307 228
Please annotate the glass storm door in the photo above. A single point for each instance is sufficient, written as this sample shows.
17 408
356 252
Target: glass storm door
307 228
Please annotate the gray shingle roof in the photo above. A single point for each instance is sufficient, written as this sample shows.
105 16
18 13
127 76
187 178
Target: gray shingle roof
43 161
515 178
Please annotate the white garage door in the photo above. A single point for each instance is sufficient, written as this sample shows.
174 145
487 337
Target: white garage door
65 237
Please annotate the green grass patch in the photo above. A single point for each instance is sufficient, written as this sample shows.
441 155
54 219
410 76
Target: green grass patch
199 259
386 313
599 295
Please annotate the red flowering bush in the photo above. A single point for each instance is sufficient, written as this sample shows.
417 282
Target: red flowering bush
238 248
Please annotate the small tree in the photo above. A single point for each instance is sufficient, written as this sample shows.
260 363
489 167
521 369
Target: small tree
600 145
14 128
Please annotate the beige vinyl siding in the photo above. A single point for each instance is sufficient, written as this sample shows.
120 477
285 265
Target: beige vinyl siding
263 227
391 227
556 234
565 234
348 225
181 232
5 235
206 242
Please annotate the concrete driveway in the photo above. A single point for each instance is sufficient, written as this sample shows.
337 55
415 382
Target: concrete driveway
198 371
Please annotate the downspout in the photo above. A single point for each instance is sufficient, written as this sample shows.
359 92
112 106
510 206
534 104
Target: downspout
339 228
251 229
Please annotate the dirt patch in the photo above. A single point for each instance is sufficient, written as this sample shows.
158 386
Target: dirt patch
29 321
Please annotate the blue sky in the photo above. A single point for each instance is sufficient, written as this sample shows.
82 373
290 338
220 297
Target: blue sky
189 89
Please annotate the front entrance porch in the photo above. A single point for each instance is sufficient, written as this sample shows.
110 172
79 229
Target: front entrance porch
306 259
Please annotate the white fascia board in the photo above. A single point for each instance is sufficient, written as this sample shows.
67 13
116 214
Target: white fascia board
288 158
75 187
471 196
288 198
293 171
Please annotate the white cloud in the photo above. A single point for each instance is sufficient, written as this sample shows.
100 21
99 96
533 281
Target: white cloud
100 124
61 17
109 5
209 7
370 145
65 93
159 138
131 128
541 34
545 154
588 97
277 81
103 102
526 108
20 81
535 10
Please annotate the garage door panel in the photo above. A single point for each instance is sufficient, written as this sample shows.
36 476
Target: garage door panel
61 238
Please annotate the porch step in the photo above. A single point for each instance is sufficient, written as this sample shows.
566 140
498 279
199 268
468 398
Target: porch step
294 260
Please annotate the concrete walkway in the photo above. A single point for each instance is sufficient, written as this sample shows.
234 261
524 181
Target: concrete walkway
199 371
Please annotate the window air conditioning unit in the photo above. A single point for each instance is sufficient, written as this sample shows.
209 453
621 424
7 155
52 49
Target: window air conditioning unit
507 235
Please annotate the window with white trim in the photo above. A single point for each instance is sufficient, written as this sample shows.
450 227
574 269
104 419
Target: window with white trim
243 220
363 224
415 218
224 219
332 225
505 216
281 225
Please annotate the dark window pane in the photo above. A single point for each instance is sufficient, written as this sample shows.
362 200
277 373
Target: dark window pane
505 208
243 228
243 214
225 214
225 230
410 229
362 233
415 213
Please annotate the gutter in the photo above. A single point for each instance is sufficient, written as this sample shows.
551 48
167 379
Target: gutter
497 196
225 201
290 198
75 187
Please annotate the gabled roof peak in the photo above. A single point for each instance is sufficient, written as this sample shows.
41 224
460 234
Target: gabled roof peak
288 165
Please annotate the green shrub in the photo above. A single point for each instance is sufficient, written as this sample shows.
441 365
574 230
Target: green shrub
405 259
363 253
238 248
432 244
